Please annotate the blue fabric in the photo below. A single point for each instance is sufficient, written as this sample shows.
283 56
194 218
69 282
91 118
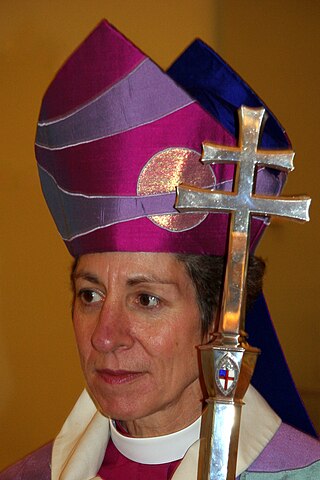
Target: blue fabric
221 91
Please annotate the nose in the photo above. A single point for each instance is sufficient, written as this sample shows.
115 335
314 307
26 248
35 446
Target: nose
112 331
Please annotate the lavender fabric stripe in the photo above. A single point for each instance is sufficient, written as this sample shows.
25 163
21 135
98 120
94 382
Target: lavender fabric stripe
142 97
77 214
284 451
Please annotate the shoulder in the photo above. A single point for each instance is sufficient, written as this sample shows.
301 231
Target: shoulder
35 466
288 450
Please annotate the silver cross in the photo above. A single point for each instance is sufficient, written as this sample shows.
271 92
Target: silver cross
241 203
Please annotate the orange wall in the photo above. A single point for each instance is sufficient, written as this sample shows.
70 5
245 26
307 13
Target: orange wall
272 44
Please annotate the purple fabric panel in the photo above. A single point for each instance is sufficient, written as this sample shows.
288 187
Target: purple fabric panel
35 466
142 235
128 104
116 466
269 181
103 58
112 166
288 449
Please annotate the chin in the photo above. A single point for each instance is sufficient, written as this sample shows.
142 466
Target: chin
125 406
126 410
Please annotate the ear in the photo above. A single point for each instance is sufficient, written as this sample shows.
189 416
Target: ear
212 330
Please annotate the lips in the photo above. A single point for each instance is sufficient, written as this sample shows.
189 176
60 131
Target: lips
117 377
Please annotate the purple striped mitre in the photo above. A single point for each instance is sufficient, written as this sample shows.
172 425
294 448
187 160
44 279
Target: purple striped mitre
109 113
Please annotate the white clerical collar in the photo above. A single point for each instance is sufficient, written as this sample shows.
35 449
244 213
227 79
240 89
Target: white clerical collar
79 449
156 450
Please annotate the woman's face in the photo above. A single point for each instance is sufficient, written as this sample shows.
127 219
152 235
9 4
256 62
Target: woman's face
137 326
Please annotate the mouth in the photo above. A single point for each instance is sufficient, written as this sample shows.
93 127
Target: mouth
118 377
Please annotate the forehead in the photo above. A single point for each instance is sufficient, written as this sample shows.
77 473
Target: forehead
162 267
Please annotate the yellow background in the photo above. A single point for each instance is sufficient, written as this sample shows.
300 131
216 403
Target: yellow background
275 47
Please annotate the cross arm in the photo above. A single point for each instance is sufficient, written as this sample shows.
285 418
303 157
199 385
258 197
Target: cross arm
218 154
296 208
282 159
190 198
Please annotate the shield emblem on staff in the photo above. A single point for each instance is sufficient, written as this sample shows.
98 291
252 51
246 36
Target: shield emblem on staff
226 374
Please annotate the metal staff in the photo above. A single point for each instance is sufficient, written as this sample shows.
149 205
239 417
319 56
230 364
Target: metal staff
228 363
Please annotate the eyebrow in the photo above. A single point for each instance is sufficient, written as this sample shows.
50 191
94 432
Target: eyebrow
137 279
90 277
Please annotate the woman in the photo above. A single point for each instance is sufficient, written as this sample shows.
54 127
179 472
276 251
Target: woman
115 137
137 319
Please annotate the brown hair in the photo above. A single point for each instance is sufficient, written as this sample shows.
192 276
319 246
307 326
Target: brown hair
207 275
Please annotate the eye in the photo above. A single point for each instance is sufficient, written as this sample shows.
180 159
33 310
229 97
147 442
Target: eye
88 297
149 301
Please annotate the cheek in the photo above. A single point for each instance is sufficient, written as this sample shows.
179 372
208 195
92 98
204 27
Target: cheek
174 342
159 340
83 333
187 340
